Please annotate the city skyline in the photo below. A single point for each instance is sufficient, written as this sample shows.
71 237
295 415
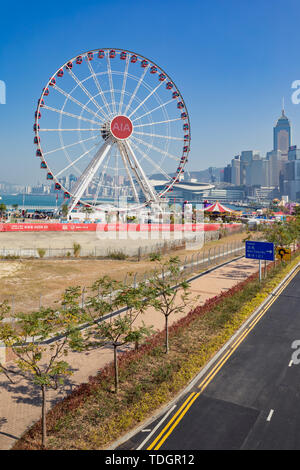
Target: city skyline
231 80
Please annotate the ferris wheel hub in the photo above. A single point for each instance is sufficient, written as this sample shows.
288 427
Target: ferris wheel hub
121 127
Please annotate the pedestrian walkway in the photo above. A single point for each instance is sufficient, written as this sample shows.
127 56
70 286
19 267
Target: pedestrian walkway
20 402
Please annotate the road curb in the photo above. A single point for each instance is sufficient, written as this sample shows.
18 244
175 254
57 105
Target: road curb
206 368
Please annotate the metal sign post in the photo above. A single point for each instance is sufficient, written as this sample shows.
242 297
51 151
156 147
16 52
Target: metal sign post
260 270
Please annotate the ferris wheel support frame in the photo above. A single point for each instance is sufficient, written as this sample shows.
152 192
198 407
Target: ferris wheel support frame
89 173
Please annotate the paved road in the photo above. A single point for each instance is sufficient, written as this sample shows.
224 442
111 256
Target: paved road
252 401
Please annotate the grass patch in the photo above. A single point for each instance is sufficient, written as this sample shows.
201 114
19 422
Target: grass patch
119 255
92 416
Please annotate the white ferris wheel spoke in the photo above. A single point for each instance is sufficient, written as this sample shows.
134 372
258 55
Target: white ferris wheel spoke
88 174
145 182
101 93
75 161
155 165
101 178
147 97
113 102
70 145
163 152
136 89
158 122
159 136
85 90
65 113
83 106
125 162
124 84
69 130
154 109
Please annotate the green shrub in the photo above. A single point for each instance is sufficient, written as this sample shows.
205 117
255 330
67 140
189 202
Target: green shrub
117 255
41 252
76 249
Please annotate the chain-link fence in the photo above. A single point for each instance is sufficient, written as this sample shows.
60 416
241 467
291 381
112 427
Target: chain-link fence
191 265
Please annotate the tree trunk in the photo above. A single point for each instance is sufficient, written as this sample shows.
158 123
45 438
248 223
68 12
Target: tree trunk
44 423
116 368
167 334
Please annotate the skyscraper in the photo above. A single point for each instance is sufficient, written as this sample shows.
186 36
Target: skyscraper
282 135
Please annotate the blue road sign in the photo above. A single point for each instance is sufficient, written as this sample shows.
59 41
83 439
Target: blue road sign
260 250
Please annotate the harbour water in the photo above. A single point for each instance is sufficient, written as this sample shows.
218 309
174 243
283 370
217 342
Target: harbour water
31 201
48 201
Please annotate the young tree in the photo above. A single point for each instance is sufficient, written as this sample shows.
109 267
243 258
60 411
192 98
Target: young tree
87 211
108 296
279 233
2 209
64 210
168 291
38 362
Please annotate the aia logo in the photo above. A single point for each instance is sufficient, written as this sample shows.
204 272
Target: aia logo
121 127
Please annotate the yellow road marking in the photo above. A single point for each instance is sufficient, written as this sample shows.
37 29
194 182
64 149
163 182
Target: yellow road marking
176 422
222 361
190 400
171 421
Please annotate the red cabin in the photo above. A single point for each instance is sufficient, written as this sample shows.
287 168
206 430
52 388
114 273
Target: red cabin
123 55
112 54
144 63
36 127
37 115
169 85
90 56
183 116
41 102
186 137
38 153
185 148
52 81
79 60
101 54
60 73
175 94
134 58
43 165
57 186
69 65
46 91
180 105
185 127
162 77
49 176
66 195
36 140
153 69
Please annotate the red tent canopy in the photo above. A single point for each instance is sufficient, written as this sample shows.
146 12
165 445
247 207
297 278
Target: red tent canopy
217 207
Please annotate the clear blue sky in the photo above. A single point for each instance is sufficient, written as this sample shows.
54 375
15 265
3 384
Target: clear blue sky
233 61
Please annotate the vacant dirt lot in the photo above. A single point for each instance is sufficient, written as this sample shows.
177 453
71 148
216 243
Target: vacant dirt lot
27 284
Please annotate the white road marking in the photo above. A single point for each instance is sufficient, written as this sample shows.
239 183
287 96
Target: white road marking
146 430
291 363
270 415
156 427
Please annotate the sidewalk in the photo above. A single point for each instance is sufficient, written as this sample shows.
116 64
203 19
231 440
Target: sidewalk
20 402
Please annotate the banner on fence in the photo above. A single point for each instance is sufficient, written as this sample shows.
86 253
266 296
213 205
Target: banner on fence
92 227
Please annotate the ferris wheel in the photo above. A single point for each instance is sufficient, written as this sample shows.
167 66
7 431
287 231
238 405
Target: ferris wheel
111 127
